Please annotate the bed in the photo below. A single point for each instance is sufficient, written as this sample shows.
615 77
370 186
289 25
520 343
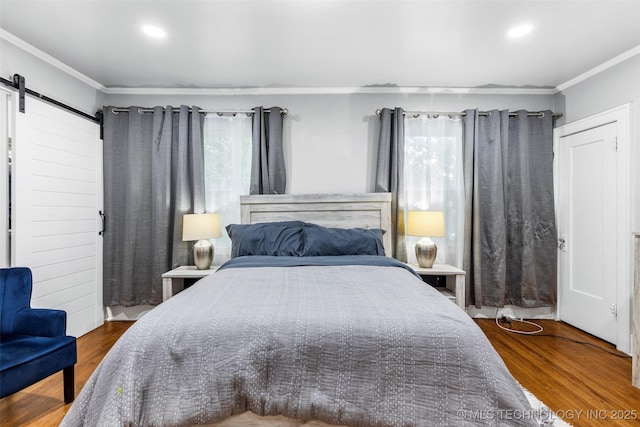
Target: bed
309 324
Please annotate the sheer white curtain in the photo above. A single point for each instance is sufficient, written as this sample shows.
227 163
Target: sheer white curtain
227 171
434 180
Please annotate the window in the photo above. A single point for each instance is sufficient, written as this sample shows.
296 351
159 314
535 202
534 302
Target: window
227 171
434 180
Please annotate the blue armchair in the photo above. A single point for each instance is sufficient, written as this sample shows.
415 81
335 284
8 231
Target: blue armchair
33 342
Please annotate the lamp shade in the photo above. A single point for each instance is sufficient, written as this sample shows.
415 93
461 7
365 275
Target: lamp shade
425 223
200 226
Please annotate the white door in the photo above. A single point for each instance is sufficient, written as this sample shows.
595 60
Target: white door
587 202
57 193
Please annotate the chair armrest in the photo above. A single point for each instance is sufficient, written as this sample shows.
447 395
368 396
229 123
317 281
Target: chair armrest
40 322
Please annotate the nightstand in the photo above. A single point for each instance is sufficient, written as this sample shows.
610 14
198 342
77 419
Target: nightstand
173 281
455 280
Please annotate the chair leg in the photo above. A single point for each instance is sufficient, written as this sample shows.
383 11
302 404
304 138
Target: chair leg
68 379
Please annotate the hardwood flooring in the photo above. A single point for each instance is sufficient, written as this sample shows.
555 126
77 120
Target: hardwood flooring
567 376
588 386
42 404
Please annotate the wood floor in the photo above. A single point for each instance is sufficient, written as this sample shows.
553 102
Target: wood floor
570 377
42 404
567 376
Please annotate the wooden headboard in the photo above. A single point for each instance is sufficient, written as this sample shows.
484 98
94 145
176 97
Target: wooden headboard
366 210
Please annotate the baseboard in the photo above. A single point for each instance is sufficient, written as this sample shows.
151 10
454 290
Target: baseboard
512 311
118 312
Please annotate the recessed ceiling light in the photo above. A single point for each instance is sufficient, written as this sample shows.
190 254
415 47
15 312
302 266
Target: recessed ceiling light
519 31
153 31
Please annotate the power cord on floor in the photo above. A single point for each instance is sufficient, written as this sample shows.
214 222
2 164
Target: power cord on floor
537 333
508 320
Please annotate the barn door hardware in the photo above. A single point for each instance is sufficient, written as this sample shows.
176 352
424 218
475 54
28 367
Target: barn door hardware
18 82
103 217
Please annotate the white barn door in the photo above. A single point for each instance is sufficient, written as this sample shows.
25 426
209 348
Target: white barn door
57 193
5 98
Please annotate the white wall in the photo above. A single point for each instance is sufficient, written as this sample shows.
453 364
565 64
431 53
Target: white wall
48 80
611 88
331 140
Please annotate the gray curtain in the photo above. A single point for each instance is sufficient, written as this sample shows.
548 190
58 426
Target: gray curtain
153 174
390 174
510 232
268 173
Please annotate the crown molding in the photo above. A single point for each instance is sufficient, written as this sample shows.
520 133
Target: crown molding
50 59
599 69
404 90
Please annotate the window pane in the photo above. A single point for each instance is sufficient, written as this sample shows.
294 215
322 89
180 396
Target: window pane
434 180
227 171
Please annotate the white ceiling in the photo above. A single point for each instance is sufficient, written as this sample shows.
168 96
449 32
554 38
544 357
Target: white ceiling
326 43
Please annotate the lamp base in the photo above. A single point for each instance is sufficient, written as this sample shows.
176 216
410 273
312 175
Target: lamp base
426 251
202 254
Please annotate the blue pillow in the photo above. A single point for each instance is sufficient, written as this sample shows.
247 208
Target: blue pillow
267 238
323 241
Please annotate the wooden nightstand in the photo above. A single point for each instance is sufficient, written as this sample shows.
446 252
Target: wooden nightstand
455 280
173 281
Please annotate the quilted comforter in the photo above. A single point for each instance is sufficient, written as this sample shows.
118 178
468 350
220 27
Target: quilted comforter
349 344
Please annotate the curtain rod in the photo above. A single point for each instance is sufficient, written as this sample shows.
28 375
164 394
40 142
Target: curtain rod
19 84
436 114
219 112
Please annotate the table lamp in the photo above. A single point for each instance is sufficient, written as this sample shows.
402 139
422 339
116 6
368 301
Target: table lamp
426 224
201 227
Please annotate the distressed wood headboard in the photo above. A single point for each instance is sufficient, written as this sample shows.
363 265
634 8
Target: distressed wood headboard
365 210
